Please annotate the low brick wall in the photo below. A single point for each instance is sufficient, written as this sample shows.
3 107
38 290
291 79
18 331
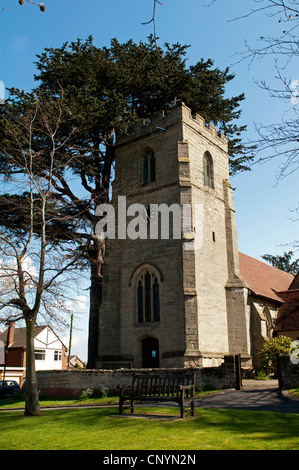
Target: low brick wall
288 373
74 382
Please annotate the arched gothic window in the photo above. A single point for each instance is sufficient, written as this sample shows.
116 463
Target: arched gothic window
208 170
148 167
148 298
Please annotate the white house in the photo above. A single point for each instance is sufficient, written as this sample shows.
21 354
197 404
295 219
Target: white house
50 352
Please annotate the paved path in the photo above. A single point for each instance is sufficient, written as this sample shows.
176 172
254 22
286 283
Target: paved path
255 395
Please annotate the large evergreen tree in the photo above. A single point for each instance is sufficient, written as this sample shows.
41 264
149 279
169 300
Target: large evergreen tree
105 90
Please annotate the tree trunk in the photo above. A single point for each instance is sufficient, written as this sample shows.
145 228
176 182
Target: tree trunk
96 262
32 407
96 254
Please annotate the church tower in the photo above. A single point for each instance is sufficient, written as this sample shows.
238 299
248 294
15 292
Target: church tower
172 291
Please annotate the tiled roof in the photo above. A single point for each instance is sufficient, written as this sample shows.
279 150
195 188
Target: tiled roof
295 283
263 279
19 340
288 315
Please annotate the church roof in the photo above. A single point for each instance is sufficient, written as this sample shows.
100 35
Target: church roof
263 279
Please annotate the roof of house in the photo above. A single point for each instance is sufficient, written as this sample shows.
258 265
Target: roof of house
295 283
19 340
19 336
75 358
263 279
288 314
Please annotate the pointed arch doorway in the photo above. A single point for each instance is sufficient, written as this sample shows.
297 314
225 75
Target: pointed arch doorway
150 352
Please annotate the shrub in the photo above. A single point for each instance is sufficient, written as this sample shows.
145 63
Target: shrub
86 394
94 393
269 351
104 392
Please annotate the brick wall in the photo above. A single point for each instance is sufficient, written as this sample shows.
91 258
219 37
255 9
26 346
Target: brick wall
73 382
16 357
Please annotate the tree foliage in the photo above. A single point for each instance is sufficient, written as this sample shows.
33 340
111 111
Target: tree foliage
283 262
130 81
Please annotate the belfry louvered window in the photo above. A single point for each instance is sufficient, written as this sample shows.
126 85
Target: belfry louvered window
148 298
148 167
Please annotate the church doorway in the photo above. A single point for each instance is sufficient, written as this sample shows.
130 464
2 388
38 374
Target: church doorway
150 353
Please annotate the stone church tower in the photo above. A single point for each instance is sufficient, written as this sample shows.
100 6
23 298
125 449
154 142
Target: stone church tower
177 299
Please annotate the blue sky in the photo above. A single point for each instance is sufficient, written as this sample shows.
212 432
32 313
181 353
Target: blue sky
264 219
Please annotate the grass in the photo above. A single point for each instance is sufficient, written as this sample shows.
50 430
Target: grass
295 392
99 428
103 429
18 401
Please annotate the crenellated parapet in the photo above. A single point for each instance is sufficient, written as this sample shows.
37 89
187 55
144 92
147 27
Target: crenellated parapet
162 120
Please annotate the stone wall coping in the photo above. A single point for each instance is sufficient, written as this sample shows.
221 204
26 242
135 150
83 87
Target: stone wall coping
140 371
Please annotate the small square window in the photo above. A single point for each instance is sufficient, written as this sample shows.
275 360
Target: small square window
57 355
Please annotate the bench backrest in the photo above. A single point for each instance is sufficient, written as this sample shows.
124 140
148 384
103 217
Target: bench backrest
160 385
116 365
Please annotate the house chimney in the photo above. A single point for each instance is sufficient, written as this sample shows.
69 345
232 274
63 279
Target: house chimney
10 333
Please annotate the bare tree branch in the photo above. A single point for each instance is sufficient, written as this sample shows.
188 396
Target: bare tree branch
40 5
36 275
278 140
153 20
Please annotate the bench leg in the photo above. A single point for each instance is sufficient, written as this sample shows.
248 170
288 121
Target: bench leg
182 406
132 406
192 407
120 405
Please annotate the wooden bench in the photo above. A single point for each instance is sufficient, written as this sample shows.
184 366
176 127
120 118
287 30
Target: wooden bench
161 388
116 365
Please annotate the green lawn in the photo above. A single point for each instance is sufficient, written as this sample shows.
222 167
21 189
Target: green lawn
50 402
103 429
19 402
295 392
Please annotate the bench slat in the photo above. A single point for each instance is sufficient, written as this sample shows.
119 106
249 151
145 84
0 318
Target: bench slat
160 388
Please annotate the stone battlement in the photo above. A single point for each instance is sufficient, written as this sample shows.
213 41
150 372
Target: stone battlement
162 120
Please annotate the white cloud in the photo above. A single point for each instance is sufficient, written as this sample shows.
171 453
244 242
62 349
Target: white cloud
28 266
79 304
21 43
8 270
